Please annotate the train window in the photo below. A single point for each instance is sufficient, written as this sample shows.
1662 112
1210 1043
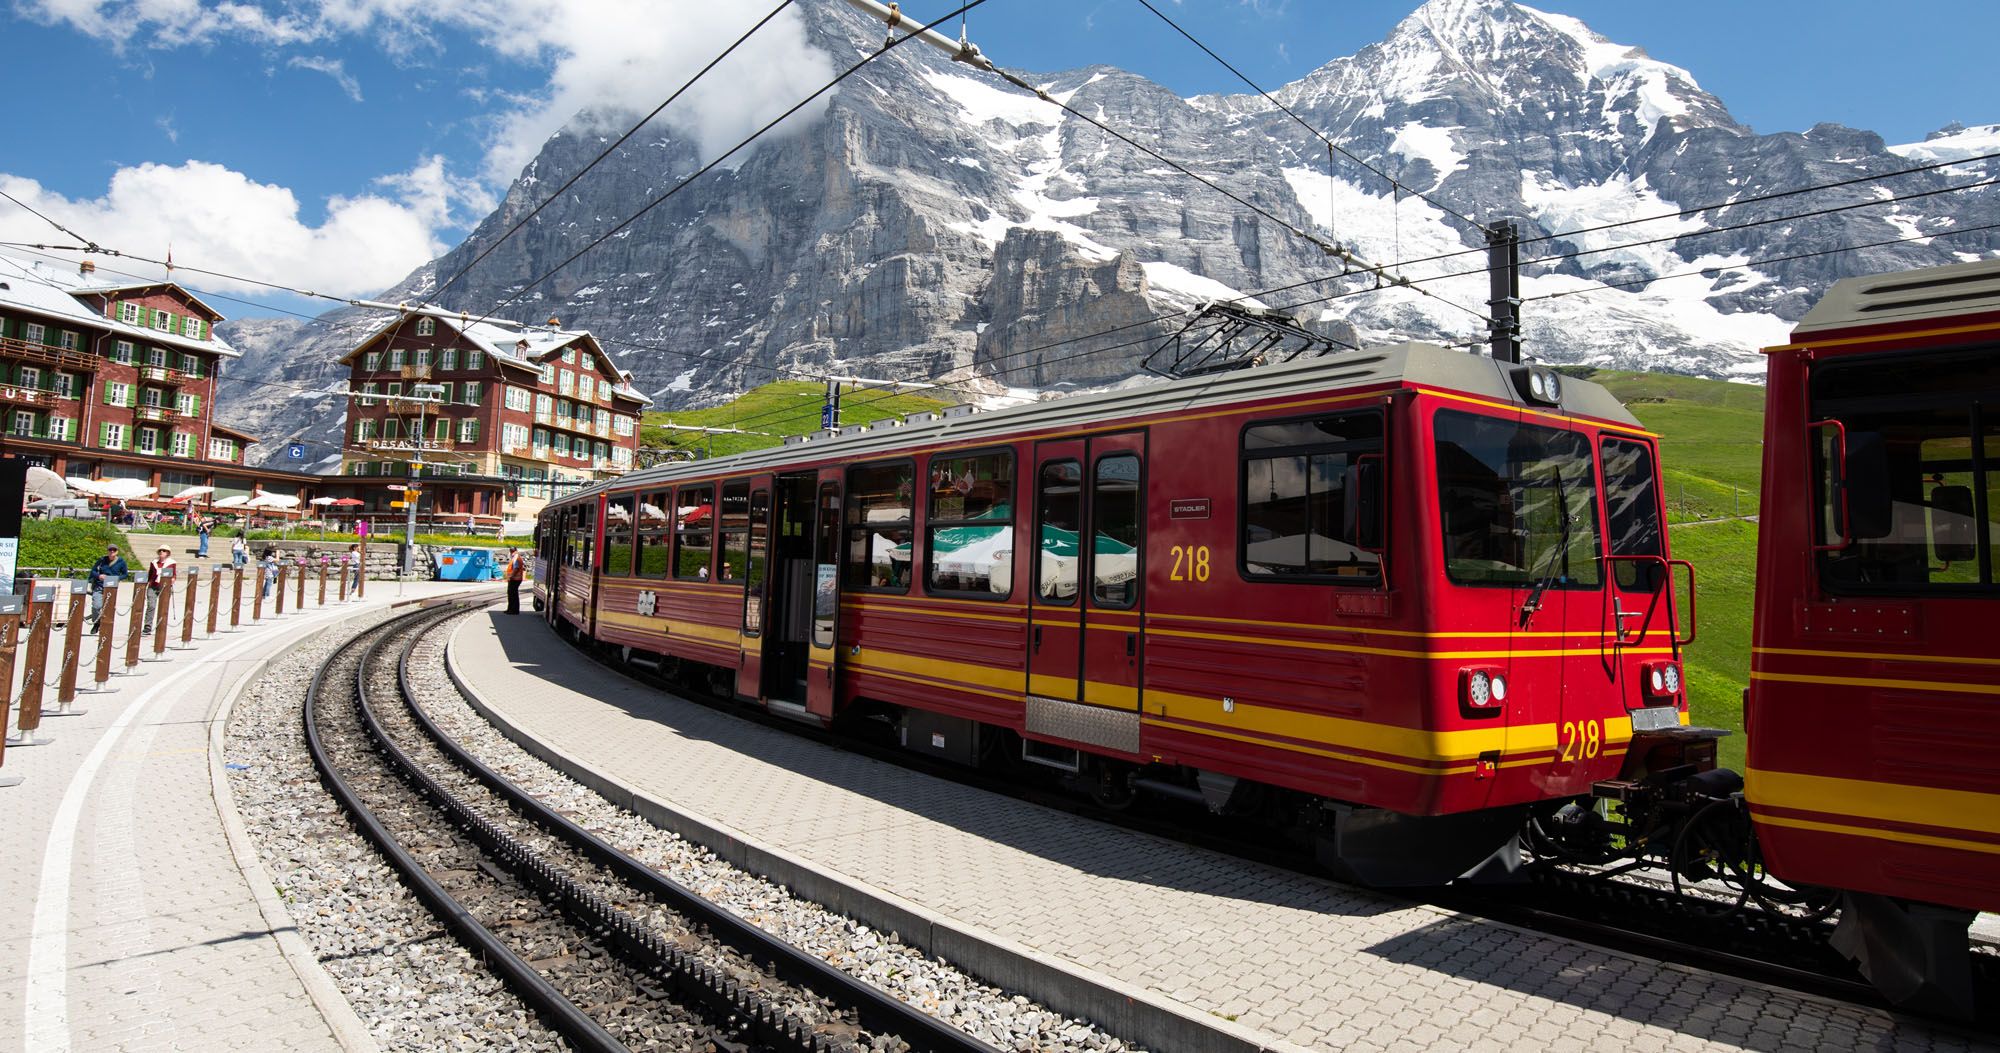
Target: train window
1311 505
1921 493
582 535
735 528
1632 506
694 532
759 563
880 526
1115 512
826 559
969 530
619 532
1060 523
656 533
1518 503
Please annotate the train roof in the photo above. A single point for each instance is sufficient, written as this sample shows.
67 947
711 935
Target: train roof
1419 364
1906 296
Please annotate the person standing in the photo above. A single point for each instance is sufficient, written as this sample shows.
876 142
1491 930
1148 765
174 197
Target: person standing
517 569
352 561
239 551
159 572
268 568
109 570
201 540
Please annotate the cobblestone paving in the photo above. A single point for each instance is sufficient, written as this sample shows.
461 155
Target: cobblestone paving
1311 962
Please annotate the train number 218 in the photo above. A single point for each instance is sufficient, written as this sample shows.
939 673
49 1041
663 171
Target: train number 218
1582 740
1190 563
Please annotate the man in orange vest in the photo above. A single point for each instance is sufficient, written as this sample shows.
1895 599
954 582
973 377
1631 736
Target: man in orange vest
517 569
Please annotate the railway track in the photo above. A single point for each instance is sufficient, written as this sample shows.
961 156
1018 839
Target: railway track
1615 911
609 953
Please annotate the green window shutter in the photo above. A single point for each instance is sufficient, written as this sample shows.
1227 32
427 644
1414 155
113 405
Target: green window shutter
107 394
103 434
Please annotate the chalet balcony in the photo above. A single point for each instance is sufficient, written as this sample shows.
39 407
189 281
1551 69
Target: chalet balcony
166 376
160 414
59 357
415 372
23 395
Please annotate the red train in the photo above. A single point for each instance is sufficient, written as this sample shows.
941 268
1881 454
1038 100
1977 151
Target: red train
1873 703
1417 603
1397 596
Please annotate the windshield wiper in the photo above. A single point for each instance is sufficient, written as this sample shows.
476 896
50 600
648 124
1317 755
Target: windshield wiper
1557 557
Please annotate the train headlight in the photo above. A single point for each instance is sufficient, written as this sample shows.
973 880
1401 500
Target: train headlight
1672 675
1662 679
1656 679
1482 690
1552 383
1537 384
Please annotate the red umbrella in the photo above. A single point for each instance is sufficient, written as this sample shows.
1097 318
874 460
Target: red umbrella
347 502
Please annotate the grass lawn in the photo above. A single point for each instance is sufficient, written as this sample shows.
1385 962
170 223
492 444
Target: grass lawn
1718 665
786 407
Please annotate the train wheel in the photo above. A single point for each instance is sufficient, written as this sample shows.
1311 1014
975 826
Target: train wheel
1113 787
1714 859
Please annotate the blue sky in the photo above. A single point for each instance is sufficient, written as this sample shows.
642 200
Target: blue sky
352 139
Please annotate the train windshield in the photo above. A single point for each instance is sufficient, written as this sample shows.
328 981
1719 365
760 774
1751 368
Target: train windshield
1518 503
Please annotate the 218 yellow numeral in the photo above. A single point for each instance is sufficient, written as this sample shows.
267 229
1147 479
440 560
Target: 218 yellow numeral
1582 740
1190 563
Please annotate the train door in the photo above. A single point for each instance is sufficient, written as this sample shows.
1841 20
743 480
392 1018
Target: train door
746 552
788 587
823 662
1113 581
1565 602
1640 593
1085 610
1055 646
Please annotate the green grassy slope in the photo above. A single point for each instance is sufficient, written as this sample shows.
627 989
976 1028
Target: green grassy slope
786 407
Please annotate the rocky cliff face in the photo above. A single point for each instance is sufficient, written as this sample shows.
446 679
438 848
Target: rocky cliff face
934 222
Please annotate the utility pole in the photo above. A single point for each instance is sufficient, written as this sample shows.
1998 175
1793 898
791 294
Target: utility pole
423 395
1503 270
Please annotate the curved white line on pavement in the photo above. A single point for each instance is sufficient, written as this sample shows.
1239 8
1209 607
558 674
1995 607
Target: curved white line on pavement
46 1015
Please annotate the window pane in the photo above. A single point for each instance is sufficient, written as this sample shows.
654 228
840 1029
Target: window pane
1302 507
826 560
1518 503
880 493
1632 505
618 535
759 561
1060 522
968 488
696 532
656 534
1114 543
879 507
879 558
735 531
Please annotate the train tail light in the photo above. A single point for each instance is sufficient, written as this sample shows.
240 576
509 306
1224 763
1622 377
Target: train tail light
1482 689
1662 679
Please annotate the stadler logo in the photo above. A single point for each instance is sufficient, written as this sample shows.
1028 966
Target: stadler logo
648 603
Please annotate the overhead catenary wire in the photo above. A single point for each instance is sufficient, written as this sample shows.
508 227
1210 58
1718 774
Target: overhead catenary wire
691 178
1303 123
607 151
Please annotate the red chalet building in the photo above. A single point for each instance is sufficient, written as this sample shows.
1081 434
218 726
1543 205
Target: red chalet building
522 412
111 379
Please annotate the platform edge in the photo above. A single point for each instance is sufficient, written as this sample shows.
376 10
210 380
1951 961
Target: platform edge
1128 1011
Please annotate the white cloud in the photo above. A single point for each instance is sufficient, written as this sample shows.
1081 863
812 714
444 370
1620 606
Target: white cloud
614 59
223 220
332 67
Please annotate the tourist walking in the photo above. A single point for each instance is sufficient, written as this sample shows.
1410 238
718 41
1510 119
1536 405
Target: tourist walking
517 569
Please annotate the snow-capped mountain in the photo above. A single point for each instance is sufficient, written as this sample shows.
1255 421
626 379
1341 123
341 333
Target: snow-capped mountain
934 221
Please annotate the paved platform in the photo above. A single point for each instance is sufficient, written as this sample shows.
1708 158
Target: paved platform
132 925
1299 961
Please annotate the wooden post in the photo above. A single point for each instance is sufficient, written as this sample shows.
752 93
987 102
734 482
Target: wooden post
34 667
10 623
214 597
107 627
164 605
345 573
72 649
361 578
282 568
300 605
322 581
236 597
187 616
135 626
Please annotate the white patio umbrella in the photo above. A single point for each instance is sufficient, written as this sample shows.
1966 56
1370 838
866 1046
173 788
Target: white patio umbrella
191 493
84 486
322 500
233 501
126 489
273 501
45 483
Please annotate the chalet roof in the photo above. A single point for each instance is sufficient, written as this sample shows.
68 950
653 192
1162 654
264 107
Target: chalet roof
95 288
503 343
53 292
227 432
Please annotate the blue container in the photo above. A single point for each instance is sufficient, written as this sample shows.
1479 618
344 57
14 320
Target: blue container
466 564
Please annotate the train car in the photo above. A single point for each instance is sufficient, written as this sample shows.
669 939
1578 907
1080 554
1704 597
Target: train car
1874 700
1403 597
